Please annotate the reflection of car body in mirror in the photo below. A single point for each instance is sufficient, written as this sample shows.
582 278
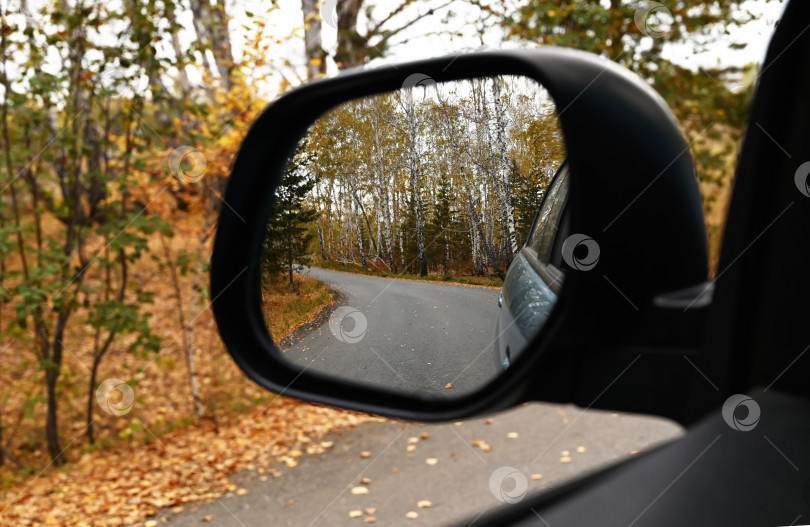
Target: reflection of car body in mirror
535 276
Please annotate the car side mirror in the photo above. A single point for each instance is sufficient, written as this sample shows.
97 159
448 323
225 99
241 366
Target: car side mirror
626 231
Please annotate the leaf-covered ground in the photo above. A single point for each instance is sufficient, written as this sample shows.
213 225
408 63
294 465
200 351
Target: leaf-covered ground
157 455
128 484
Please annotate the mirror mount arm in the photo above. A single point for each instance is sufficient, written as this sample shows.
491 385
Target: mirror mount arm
674 323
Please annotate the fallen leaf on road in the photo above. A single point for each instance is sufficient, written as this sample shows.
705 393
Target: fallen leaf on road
370 519
150 523
431 461
365 481
412 515
206 519
411 448
480 443
241 492
327 444
370 511
512 435
448 385
488 422
359 490
537 476
424 435
565 459
565 453
365 454
424 504
580 449
413 439
355 514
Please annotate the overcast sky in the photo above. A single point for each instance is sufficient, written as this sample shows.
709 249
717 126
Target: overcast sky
430 37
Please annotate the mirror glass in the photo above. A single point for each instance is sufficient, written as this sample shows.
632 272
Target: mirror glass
414 242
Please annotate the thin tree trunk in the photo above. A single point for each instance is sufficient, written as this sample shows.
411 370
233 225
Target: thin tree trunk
90 396
505 194
316 56
187 331
413 161
185 85
360 239
52 419
321 240
365 217
382 180
4 452
290 264
211 26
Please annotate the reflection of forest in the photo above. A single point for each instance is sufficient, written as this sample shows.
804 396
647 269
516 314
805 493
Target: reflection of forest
445 178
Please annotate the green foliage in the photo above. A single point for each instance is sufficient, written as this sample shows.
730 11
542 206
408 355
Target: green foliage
69 226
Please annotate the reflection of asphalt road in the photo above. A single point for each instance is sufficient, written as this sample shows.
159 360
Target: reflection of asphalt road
419 336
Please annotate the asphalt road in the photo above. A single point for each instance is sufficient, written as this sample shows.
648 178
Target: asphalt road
415 335
406 335
467 479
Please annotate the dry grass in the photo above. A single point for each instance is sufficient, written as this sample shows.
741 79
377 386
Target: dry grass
284 312
458 279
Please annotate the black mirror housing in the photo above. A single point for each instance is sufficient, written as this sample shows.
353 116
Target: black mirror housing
633 191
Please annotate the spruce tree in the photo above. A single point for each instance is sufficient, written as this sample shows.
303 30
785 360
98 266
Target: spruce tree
286 247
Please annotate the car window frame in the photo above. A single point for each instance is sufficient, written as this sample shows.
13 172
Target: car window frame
552 272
